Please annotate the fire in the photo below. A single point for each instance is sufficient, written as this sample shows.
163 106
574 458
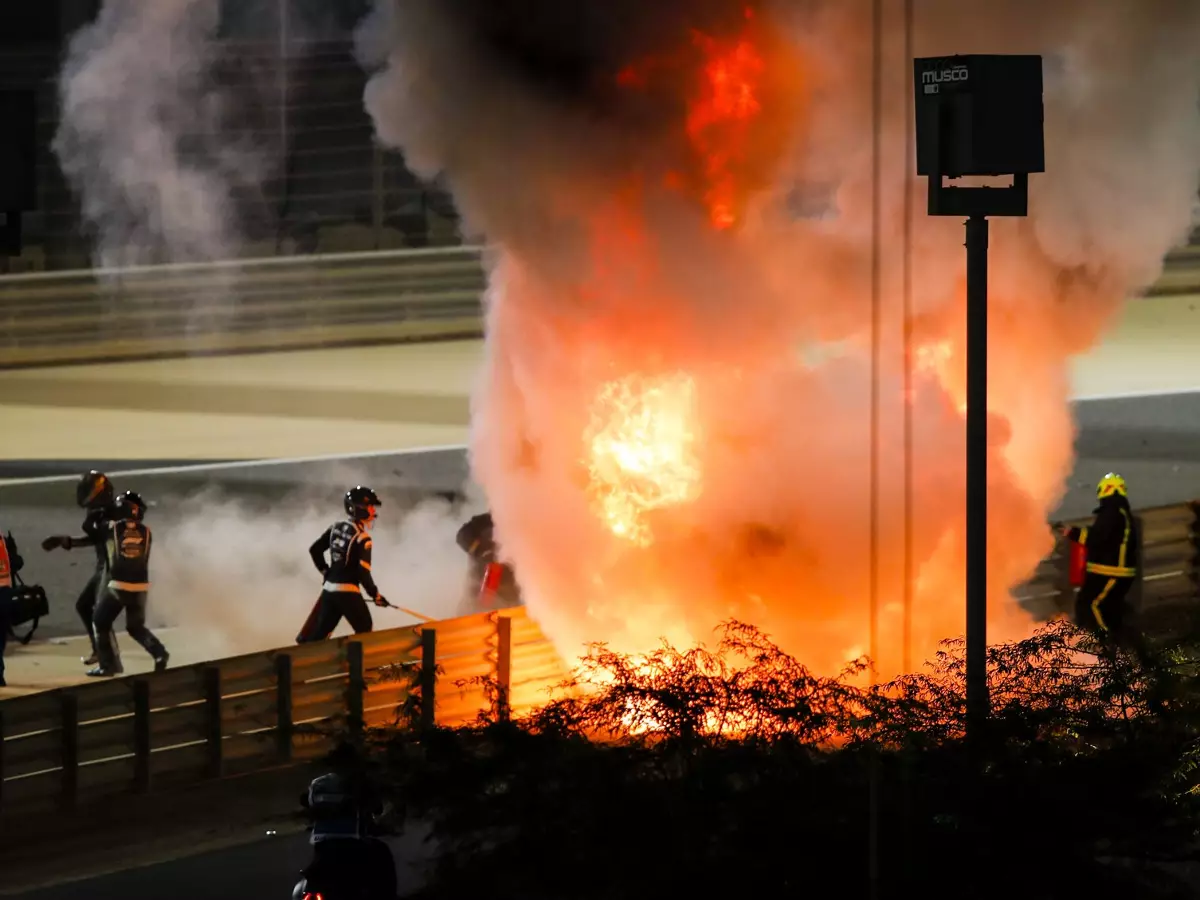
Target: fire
641 451
937 360
719 121
709 484
733 80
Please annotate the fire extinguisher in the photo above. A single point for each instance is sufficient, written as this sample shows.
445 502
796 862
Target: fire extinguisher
492 575
1078 564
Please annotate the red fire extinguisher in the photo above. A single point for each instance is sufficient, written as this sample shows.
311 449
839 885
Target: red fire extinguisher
1078 565
491 583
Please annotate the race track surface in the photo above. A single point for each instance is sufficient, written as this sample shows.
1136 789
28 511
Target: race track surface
1153 441
263 870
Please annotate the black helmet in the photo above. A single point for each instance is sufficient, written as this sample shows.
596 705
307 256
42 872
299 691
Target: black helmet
359 502
93 490
129 507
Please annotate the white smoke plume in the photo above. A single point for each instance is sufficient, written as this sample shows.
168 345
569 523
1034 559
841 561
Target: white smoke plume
142 137
563 135
238 579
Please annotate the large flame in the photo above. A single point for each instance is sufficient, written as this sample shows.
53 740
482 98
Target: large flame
660 449
641 451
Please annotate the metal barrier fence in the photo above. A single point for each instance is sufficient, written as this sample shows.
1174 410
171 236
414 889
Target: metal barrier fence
275 303
66 748
281 303
267 304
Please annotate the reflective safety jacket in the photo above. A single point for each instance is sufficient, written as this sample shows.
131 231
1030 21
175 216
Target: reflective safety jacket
1111 540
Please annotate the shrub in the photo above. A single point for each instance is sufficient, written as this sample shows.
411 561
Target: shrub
737 771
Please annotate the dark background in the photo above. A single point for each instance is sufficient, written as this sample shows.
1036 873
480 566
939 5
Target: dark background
288 71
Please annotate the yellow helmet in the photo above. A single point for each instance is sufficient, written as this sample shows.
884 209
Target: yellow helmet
1110 484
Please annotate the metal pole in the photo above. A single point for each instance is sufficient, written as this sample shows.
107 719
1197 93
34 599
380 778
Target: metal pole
874 786
977 474
284 92
906 314
377 198
284 40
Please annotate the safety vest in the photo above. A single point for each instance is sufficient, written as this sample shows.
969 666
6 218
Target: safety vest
6 573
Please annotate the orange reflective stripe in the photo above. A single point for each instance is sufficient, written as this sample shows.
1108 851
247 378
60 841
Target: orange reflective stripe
6 579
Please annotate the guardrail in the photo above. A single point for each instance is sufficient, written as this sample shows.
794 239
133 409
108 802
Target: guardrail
276 303
66 748
238 306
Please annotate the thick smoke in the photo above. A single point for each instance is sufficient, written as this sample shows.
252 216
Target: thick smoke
141 138
597 272
168 134
238 579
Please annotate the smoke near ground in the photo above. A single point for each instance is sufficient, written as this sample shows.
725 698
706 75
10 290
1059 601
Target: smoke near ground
236 573
630 340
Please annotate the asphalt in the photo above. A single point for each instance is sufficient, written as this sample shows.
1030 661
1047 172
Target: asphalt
1153 441
257 871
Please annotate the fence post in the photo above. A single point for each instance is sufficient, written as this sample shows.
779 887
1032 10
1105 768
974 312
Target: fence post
141 735
356 687
1194 536
503 666
283 706
428 678
69 722
212 721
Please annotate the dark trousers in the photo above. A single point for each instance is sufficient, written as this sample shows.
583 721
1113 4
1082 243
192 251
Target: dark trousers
108 607
85 604
331 608
1100 603
5 625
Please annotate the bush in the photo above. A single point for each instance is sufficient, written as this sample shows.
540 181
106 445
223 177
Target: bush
737 771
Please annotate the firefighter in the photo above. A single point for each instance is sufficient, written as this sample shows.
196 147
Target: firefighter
127 548
347 573
477 539
93 493
10 564
1112 558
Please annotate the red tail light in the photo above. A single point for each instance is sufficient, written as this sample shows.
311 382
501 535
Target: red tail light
311 896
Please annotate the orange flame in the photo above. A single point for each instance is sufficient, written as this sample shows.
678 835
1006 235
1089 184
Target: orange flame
719 121
732 81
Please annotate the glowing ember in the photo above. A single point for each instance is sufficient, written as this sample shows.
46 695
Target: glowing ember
641 451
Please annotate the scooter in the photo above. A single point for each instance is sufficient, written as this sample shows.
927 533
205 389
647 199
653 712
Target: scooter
349 863
348 869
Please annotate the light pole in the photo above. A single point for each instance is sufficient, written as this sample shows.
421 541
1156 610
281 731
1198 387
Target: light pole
978 116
